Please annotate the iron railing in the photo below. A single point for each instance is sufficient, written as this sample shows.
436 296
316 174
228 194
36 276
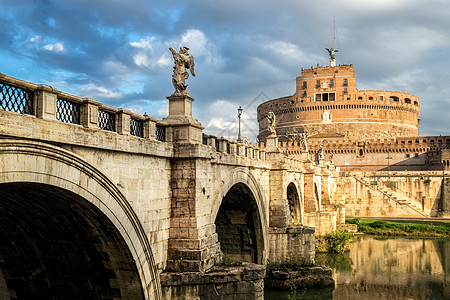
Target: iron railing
136 127
16 99
106 120
160 133
67 111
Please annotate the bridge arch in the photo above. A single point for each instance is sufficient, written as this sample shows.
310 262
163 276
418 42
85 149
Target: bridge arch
294 198
240 206
71 187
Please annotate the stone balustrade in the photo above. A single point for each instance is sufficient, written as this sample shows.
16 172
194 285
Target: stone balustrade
234 148
46 102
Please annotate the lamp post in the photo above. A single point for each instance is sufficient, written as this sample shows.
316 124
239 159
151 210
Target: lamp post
239 132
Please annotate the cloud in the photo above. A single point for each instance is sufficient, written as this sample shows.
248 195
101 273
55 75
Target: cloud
98 92
58 47
241 48
144 43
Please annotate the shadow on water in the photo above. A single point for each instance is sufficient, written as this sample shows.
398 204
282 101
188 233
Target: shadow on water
384 268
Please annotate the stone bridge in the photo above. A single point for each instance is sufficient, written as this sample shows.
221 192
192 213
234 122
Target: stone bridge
97 202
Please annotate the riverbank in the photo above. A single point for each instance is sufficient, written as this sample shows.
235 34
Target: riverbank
399 227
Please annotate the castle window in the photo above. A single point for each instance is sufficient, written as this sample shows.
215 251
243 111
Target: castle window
331 82
381 97
359 98
393 99
370 98
305 84
318 97
317 83
407 101
325 96
371 114
345 92
304 94
345 82
416 103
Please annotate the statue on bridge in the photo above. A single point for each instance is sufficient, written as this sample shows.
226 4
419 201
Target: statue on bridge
183 60
270 116
304 141
321 153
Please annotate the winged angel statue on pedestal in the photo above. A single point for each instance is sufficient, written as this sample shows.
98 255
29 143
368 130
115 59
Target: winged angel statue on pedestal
183 60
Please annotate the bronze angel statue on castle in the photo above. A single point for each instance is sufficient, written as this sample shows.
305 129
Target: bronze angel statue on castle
183 60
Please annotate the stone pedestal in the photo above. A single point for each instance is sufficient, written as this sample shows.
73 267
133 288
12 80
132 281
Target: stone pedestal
185 128
272 144
304 155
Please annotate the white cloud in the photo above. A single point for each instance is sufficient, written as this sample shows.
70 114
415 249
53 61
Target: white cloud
58 47
195 40
141 59
35 39
163 111
96 92
144 43
164 61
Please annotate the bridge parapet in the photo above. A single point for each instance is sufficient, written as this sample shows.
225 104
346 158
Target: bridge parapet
46 102
245 150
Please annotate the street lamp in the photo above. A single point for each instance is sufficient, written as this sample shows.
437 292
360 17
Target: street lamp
239 132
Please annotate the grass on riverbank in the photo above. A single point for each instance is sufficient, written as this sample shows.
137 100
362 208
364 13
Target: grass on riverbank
388 228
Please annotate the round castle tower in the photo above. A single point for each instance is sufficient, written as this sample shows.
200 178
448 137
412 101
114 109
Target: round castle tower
328 104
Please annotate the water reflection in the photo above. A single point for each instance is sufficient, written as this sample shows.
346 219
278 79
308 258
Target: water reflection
387 268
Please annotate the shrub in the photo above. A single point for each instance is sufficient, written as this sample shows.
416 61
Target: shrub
338 242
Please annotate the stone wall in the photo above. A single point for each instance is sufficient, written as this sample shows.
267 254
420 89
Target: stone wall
393 193
292 244
323 221
241 282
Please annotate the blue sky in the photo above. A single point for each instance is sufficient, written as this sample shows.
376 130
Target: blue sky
246 52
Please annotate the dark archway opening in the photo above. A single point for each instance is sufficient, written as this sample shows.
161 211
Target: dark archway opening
56 245
294 204
238 225
316 195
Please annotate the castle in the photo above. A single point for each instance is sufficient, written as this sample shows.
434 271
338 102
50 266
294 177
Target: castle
370 136
360 126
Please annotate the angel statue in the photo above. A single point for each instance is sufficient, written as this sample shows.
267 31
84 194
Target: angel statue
304 141
183 60
321 153
332 52
271 123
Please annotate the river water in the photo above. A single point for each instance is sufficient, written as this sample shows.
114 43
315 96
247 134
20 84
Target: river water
380 268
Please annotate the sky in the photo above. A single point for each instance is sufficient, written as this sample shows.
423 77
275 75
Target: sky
246 52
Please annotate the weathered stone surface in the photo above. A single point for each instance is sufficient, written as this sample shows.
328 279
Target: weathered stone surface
243 282
307 277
